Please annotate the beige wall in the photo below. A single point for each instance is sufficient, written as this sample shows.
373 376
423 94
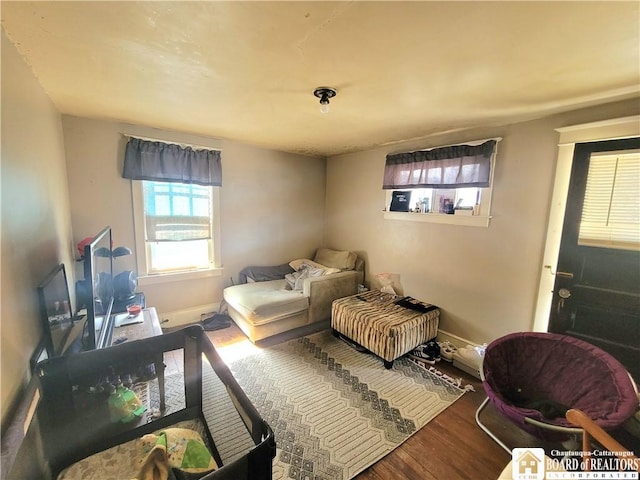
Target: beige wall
484 279
36 226
272 204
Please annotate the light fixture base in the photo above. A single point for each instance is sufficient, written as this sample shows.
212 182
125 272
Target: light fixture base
325 93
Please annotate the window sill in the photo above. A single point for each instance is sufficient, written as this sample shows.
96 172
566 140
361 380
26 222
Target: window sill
179 276
464 220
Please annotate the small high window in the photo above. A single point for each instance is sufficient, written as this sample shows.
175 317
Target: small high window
443 182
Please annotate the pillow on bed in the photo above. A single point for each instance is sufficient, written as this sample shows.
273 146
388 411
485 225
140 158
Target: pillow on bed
296 264
343 260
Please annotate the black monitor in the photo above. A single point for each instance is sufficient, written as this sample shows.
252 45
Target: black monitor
55 310
98 275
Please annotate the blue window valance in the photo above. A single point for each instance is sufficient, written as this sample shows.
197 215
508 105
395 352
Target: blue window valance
456 166
168 162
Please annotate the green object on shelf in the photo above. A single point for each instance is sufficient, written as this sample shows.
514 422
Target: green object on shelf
117 405
124 404
133 406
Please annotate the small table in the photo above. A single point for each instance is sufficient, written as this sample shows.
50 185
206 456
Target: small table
374 320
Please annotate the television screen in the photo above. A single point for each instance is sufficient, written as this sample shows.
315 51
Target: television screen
55 308
98 272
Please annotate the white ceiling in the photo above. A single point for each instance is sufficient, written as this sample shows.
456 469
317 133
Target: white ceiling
246 71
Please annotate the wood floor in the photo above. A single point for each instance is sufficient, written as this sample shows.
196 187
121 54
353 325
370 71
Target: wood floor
450 447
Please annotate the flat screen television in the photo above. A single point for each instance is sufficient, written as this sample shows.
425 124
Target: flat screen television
55 310
98 277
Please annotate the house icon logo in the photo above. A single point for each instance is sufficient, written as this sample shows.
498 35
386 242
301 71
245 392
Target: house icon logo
527 463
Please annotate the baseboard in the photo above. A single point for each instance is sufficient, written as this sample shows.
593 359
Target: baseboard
188 316
459 342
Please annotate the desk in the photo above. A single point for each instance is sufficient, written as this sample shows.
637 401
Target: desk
137 331
373 320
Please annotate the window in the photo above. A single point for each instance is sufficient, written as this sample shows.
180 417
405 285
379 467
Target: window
611 210
175 191
450 184
176 227
468 212
431 200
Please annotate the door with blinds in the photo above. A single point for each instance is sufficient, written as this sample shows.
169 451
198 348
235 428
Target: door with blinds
597 287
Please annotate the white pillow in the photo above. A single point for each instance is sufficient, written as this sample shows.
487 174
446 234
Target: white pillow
295 264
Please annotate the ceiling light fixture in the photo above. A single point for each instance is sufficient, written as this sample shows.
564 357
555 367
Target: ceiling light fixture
324 94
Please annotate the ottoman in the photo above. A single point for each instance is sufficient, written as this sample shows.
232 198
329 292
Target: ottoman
381 324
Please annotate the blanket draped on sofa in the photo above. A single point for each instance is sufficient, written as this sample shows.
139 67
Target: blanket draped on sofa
263 274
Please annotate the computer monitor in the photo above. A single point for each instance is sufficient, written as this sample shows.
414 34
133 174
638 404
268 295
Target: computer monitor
98 275
56 310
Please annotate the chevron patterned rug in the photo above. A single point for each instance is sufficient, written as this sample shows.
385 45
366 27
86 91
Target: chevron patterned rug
335 411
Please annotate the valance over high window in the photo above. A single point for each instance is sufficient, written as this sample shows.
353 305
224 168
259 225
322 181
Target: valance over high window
456 166
167 162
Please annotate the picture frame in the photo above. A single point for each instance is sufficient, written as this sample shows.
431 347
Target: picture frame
400 201
444 201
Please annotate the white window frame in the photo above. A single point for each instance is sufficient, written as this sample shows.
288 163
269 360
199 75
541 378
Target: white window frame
144 276
480 220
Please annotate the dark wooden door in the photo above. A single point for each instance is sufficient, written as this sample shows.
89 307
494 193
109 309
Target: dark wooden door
597 287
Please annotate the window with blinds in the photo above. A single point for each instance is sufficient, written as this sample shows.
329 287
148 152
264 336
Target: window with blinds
178 225
611 210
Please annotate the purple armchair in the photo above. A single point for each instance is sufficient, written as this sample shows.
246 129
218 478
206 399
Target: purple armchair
534 378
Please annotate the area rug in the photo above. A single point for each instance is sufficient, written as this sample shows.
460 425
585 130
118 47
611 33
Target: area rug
334 411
